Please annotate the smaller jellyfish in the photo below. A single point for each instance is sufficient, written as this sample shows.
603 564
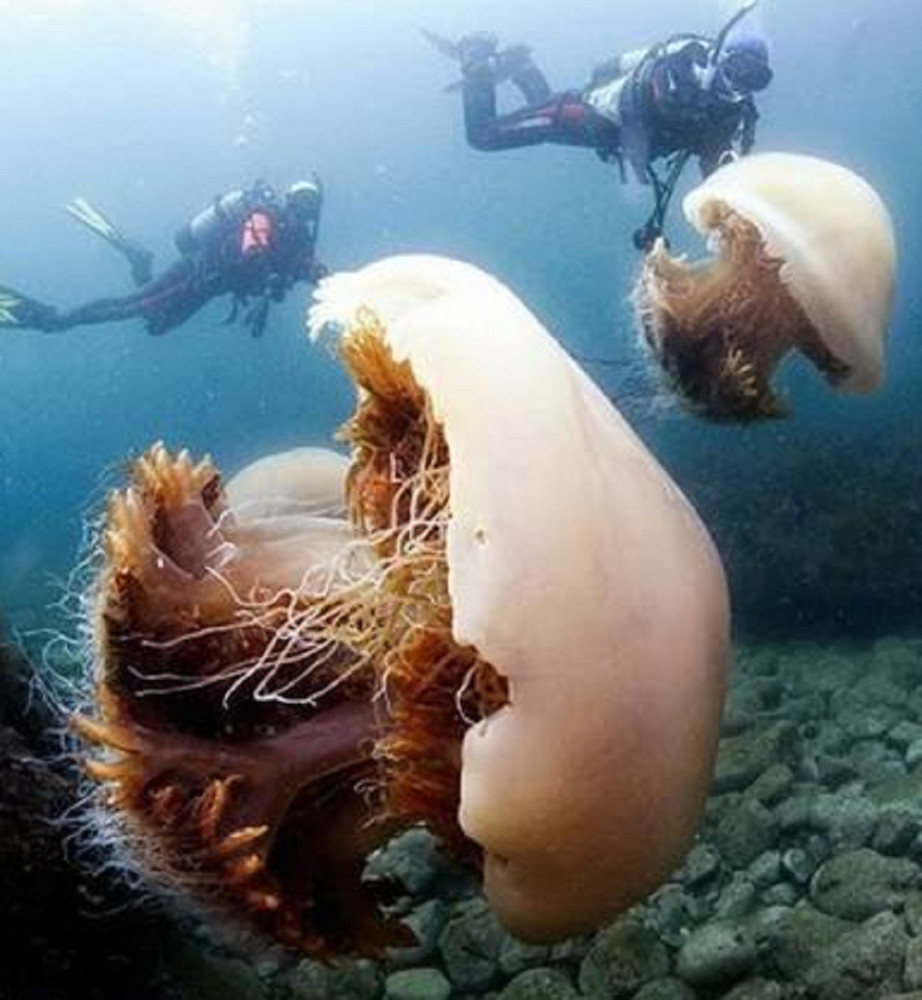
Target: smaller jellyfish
300 481
805 261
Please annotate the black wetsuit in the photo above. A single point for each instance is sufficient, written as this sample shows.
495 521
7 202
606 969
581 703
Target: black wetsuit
664 102
225 261
676 114
563 118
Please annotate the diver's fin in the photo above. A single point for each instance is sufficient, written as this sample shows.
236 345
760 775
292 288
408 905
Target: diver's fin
442 44
18 311
475 48
447 48
139 258
81 210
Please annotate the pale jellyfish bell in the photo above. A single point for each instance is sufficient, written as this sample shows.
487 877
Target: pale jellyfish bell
517 637
805 257
581 575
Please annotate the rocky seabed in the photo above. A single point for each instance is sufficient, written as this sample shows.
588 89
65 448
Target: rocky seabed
805 881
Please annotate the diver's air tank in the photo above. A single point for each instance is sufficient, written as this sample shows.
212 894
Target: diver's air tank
191 237
605 95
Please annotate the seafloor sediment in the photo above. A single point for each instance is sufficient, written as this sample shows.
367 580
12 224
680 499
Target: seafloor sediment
806 881
67 929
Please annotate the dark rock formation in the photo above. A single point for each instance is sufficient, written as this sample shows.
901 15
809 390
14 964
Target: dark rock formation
65 933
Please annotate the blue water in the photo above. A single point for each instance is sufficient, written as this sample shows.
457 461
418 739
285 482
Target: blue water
150 108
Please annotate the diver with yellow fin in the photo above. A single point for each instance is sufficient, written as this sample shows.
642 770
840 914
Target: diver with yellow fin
140 259
252 244
690 95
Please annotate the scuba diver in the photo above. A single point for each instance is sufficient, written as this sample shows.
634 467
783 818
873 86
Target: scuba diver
687 96
251 244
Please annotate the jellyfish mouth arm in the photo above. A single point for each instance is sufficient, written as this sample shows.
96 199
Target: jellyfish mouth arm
833 237
275 831
236 744
719 328
333 741
221 797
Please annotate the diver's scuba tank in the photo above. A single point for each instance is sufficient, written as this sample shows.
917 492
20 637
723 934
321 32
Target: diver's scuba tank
604 93
197 231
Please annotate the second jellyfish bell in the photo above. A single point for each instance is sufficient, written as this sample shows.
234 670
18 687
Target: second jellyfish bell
804 260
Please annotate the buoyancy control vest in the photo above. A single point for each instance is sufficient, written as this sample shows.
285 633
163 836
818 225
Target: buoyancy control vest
659 99
227 213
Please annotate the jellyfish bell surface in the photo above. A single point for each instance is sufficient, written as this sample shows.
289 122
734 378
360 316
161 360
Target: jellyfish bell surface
520 641
289 512
805 261
579 573
300 481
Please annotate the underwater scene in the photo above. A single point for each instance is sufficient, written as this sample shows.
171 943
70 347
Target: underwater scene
458 500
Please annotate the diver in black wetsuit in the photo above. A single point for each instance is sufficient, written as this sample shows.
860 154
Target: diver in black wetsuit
688 96
253 245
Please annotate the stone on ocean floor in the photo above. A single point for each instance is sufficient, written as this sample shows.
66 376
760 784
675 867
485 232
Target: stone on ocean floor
540 984
417 984
717 954
858 884
350 979
756 989
862 962
470 945
665 989
624 957
820 900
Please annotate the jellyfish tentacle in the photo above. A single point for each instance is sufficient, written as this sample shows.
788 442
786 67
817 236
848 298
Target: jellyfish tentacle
474 650
222 714
804 259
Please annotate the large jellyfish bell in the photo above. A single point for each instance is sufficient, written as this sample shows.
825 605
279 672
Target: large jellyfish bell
805 260
512 628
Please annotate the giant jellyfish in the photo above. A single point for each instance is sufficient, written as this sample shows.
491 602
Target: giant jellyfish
516 636
805 260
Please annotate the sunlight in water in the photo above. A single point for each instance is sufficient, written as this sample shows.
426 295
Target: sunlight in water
220 28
